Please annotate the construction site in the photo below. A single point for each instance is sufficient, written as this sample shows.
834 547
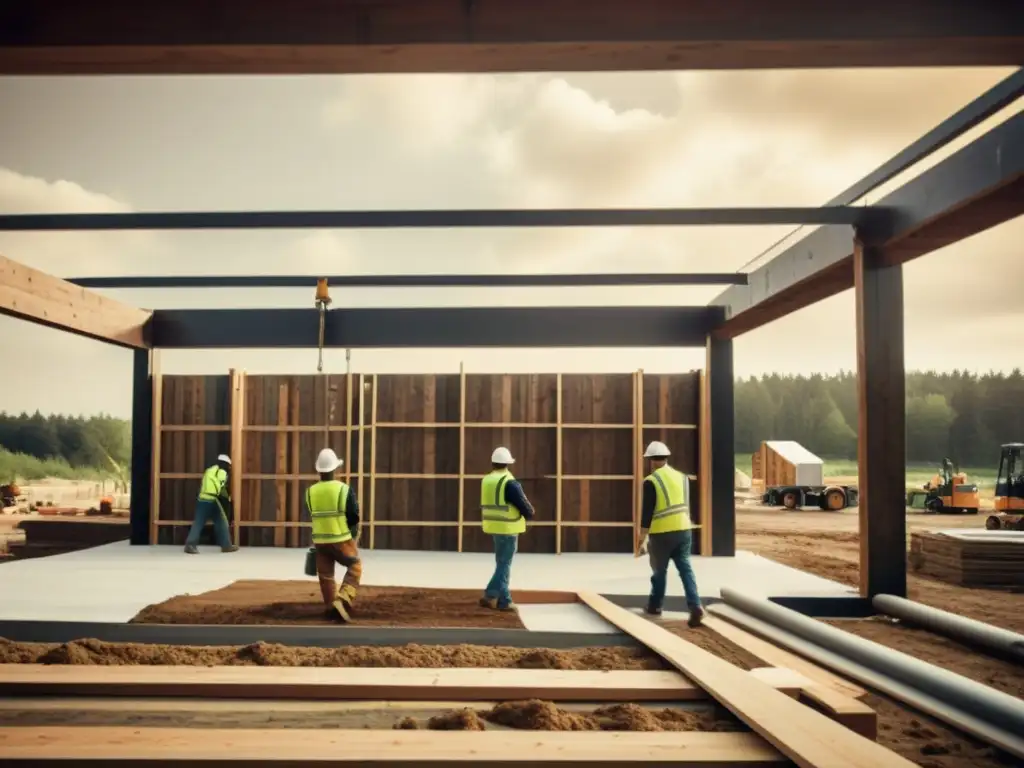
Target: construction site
839 625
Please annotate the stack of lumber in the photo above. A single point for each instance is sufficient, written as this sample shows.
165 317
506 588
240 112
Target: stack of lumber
57 535
993 559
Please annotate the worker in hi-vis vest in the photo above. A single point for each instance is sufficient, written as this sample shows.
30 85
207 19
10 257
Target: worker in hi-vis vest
504 509
334 511
214 494
666 531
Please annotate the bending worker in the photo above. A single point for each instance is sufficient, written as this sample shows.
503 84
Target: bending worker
667 531
505 510
213 495
334 511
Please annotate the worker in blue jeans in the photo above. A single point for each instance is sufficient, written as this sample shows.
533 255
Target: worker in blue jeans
213 496
666 531
504 509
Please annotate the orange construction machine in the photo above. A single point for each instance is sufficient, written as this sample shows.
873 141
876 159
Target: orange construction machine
1010 480
948 491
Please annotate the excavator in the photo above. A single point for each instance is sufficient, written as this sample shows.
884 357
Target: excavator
947 492
1009 502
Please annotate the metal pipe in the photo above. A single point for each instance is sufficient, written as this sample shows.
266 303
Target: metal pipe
987 703
966 630
958 718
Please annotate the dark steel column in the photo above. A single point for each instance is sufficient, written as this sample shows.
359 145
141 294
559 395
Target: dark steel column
142 447
723 457
881 445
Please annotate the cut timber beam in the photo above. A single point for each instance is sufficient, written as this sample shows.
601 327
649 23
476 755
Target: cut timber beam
300 748
32 295
60 37
808 738
976 188
356 684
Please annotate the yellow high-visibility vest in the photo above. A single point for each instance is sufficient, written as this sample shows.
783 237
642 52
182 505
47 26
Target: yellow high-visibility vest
671 510
327 501
212 486
499 517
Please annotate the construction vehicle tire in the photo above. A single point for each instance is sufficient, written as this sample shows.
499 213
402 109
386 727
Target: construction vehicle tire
993 523
835 500
790 500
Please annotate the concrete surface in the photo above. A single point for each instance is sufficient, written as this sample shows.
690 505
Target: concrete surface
114 582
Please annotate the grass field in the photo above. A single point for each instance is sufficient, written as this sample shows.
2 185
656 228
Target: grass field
18 467
917 474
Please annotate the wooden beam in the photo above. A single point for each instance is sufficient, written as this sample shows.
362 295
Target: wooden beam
33 295
808 738
300 748
881 444
59 37
157 438
359 684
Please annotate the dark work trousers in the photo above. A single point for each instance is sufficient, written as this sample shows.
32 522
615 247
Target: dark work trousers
667 548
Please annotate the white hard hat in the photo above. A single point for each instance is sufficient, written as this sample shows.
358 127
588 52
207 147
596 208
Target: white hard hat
327 461
502 455
225 458
657 450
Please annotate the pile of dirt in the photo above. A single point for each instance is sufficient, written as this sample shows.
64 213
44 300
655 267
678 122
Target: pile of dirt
299 602
96 652
536 715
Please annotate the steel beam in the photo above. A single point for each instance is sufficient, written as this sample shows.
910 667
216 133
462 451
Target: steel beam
978 187
264 37
720 383
411 281
466 219
436 327
142 446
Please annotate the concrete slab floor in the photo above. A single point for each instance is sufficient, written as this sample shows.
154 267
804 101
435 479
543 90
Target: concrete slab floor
114 582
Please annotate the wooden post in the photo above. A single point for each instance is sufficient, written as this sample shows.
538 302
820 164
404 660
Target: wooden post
558 464
295 501
147 414
281 464
638 454
722 508
237 449
361 445
462 452
373 457
881 445
348 428
704 471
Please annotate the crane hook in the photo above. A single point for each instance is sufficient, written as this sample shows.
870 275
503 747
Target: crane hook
321 300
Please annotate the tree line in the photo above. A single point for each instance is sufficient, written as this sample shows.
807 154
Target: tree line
961 415
81 442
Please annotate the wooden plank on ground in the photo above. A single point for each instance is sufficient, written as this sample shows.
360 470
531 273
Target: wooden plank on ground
459 684
808 738
854 714
774 656
301 747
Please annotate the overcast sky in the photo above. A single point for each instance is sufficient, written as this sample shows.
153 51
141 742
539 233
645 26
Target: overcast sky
653 139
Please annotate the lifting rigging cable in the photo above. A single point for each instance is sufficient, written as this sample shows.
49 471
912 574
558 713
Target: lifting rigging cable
321 300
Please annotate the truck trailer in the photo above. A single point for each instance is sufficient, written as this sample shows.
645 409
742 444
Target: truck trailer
790 476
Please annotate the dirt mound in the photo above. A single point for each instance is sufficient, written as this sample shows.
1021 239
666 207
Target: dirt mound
459 720
299 602
534 715
632 717
96 652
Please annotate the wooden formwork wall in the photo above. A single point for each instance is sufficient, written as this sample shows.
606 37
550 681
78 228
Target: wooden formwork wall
416 446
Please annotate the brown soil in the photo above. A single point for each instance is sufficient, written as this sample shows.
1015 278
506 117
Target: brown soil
535 715
299 602
96 652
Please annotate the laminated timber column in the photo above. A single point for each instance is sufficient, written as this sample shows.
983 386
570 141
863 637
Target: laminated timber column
142 446
881 444
722 501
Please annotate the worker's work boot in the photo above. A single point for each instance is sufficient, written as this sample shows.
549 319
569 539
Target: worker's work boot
489 602
696 617
229 548
191 549
347 595
508 607
652 610
340 612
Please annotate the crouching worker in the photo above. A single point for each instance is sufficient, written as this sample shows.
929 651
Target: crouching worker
334 511
505 510
213 496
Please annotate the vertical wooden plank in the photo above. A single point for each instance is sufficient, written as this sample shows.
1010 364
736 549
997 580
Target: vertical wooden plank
362 449
704 426
584 529
506 401
294 510
373 455
462 452
237 449
558 464
281 462
348 428
638 460
157 439
881 444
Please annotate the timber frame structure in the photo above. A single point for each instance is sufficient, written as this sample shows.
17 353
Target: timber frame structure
976 188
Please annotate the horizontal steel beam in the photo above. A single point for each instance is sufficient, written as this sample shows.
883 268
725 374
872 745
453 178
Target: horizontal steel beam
629 217
436 327
978 187
263 36
411 281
